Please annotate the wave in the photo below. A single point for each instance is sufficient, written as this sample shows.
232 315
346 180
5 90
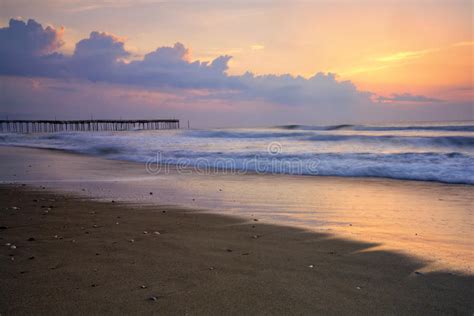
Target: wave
449 141
440 156
447 128
445 141
451 167
316 128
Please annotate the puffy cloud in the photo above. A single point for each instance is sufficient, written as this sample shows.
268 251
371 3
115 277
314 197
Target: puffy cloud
101 58
102 46
29 38
28 48
96 58
408 97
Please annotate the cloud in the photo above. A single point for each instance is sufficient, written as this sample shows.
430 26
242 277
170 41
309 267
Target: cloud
101 57
257 47
408 55
29 38
29 50
407 97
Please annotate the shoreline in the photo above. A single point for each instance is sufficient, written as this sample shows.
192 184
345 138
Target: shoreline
431 221
200 263
217 170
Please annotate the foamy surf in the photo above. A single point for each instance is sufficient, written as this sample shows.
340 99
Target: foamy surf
442 152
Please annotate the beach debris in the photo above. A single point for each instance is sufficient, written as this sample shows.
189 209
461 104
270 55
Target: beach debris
113 201
194 199
12 247
143 286
153 298
31 258
93 285
151 193
15 208
157 233
145 232
12 258
255 220
35 200
92 212
228 250
220 190
31 239
8 244
418 273
311 266
3 227
116 223
211 268
131 240
95 226
163 212
358 287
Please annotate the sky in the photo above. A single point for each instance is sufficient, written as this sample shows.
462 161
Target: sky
237 63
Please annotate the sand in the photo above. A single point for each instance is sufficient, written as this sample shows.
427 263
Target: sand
77 256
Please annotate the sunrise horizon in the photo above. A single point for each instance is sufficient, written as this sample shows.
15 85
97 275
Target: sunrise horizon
237 157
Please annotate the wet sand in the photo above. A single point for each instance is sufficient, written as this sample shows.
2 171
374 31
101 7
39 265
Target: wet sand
76 256
77 252
431 221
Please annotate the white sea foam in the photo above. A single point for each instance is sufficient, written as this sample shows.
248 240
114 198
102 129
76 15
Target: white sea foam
441 152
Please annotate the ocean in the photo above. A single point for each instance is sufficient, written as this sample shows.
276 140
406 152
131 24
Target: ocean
441 152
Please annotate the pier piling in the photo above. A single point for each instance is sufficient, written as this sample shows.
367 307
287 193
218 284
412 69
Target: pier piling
46 126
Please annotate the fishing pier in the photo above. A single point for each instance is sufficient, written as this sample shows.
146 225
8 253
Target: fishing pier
49 126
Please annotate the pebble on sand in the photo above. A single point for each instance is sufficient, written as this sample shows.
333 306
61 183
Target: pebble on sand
311 266
153 298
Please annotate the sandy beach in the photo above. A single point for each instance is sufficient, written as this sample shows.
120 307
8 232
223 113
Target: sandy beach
70 254
74 256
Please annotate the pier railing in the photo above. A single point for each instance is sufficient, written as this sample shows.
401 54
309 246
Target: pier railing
49 126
